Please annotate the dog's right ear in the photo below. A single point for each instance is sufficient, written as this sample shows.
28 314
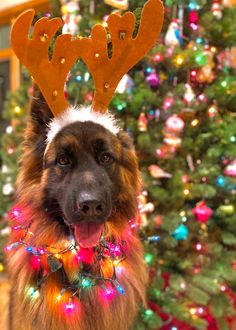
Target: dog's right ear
40 113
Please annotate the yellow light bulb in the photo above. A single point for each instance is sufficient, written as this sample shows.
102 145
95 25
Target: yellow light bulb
193 311
194 122
17 109
186 192
179 60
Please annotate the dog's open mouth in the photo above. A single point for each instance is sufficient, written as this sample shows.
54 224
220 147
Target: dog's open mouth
87 234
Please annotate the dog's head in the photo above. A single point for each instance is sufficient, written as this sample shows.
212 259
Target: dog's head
84 176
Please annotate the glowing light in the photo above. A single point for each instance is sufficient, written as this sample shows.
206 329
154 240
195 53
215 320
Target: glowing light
179 60
193 73
194 122
86 283
9 129
224 83
86 76
199 40
202 97
58 298
33 293
70 307
109 292
10 151
29 249
174 328
200 310
182 213
198 247
17 109
212 111
200 59
183 285
78 78
223 288
120 289
193 311
148 312
35 263
169 51
168 102
232 139
148 70
213 49
15 212
186 191
158 57
148 258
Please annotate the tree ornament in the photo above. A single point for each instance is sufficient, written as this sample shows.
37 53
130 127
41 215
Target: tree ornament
157 172
173 36
227 58
70 14
202 212
216 9
206 74
142 122
230 169
180 232
153 80
173 141
193 17
125 85
174 124
228 209
189 95
120 4
165 151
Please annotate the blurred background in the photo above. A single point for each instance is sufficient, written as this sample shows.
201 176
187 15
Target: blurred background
179 106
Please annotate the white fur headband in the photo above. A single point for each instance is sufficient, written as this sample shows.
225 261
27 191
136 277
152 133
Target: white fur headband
81 114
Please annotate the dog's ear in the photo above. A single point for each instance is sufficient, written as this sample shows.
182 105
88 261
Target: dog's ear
126 140
40 114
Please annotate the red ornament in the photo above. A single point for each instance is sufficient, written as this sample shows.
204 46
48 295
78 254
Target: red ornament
202 212
193 16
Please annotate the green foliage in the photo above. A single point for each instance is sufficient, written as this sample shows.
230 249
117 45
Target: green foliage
194 276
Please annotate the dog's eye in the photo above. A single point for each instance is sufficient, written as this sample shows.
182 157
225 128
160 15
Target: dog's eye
106 159
63 161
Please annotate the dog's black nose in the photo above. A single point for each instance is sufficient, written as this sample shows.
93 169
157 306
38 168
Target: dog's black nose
91 208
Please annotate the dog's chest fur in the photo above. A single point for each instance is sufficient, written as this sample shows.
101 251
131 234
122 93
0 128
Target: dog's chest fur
94 313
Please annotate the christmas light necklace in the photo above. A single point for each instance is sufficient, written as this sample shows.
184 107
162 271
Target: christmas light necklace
110 251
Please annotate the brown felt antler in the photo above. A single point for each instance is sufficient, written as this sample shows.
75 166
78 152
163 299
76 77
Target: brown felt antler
50 75
126 50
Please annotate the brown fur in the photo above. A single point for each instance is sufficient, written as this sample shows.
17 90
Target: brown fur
94 314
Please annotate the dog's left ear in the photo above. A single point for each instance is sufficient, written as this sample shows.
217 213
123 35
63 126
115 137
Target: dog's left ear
126 140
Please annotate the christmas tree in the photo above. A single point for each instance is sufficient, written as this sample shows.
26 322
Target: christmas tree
179 107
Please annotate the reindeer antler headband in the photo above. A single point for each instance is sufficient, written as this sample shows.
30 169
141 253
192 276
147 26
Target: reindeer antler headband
50 75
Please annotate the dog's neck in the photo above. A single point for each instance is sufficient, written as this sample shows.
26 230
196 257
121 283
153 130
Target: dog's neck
113 292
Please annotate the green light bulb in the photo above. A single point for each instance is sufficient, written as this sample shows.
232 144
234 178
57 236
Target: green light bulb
148 258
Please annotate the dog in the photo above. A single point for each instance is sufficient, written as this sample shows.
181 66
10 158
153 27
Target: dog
74 257
85 181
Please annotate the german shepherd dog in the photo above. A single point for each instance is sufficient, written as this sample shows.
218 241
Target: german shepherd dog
86 179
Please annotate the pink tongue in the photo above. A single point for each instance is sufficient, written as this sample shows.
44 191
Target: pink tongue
88 234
